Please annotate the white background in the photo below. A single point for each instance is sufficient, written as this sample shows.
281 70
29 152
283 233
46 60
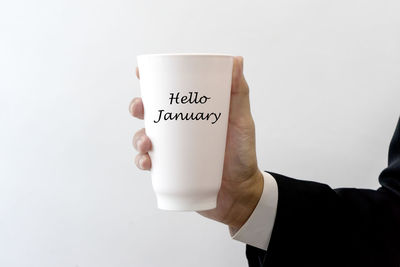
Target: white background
324 78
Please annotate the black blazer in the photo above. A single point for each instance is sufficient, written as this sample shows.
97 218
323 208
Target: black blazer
319 226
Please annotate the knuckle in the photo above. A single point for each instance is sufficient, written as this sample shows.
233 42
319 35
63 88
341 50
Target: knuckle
137 136
141 143
137 158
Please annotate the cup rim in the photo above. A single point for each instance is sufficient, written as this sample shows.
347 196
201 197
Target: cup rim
186 54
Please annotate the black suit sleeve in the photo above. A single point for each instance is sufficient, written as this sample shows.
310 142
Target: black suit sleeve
319 226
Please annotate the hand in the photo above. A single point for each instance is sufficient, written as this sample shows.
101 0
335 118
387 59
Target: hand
242 181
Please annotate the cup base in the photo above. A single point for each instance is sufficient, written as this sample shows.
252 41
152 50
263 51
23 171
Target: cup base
186 204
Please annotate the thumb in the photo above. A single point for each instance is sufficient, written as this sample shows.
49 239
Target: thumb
239 112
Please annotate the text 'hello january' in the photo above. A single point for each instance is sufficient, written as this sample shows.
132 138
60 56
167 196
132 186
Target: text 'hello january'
191 98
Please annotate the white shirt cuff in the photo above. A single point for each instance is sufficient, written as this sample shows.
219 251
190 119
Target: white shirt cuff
256 231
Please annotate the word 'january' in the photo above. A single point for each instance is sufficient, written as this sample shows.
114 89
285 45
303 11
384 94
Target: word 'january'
191 99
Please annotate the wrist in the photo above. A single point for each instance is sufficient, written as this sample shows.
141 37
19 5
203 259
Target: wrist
246 201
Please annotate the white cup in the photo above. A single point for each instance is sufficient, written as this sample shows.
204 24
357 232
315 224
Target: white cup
186 107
